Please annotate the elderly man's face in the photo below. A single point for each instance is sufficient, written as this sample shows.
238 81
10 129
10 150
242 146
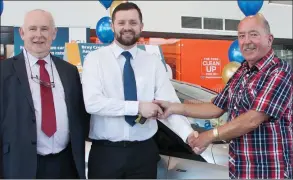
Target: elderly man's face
254 40
38 32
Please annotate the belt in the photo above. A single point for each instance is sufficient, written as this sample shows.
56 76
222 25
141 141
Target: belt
118 143
54 155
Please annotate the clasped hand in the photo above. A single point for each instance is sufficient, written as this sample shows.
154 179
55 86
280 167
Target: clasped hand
198 142
149 110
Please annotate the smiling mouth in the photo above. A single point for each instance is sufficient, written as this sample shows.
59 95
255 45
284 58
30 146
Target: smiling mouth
249 49
128 33
38 42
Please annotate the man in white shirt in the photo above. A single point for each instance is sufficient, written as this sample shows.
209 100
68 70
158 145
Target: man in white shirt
43 122
120 82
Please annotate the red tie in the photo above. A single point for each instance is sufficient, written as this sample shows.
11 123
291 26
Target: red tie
48 109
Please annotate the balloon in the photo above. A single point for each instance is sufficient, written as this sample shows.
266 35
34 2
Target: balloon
234 52
114 5
104 30
106 3
250 7
229 70
1 7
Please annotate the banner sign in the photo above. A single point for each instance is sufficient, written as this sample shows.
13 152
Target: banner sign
64 35
211 67
75 53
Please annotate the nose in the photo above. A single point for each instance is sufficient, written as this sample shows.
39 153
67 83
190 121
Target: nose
127 26
246 40
38 32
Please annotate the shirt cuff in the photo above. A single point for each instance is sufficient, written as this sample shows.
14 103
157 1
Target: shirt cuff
131 108
180 125
185 132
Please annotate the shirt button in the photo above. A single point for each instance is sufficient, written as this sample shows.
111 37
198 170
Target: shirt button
247 75
34 142
235 107
240 91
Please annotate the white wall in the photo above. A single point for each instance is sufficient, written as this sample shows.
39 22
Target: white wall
159 16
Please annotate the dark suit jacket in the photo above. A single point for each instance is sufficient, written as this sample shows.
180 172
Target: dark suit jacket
18 121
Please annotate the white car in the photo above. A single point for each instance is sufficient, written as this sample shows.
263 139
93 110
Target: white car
177 159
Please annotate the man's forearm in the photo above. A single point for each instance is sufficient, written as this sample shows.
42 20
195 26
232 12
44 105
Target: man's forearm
180 125
202 110
241 125
103 106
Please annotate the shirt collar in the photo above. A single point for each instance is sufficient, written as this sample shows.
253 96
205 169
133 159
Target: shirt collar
262 62
32 59
117 50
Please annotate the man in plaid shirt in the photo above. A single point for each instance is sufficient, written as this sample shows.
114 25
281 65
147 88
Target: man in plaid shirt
258 99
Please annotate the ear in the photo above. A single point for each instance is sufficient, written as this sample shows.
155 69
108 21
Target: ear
54 33
21 32
270 40
141 27
112 26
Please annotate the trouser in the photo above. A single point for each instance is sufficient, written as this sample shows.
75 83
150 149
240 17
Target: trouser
57 166
124 159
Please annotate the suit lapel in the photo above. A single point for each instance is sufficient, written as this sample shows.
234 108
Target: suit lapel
20 69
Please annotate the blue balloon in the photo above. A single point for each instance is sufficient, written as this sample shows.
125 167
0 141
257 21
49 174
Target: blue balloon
104 30
234 52
1 7
250 7
106 3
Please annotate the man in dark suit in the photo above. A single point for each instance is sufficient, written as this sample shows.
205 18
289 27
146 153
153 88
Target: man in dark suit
43 122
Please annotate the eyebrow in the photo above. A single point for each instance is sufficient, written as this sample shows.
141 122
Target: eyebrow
34 26
127 20
253 31
248 32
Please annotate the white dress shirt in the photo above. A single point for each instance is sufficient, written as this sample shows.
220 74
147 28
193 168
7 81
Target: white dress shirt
102 80
59 141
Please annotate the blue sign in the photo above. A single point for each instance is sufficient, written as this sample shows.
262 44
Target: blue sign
85 48
1 7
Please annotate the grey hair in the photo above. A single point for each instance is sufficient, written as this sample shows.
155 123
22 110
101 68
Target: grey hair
44 11
265 23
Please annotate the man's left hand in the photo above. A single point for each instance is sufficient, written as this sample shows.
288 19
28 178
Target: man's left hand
200 142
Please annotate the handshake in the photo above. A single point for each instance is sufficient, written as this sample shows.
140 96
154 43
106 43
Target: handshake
157 109
149 110
162 109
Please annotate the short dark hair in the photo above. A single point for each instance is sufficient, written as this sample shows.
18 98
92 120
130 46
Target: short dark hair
124 7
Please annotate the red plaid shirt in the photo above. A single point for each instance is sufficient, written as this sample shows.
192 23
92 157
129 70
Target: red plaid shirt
265 152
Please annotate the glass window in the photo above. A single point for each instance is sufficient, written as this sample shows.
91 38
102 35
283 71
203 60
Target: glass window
191 22
231 24
213 23
281 2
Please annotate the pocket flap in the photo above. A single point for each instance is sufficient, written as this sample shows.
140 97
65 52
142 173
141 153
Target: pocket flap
6 148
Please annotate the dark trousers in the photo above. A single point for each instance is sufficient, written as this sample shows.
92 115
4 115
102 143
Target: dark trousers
123 160
57 166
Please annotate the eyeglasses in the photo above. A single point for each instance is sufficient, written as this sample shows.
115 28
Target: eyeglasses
43 83
38 80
